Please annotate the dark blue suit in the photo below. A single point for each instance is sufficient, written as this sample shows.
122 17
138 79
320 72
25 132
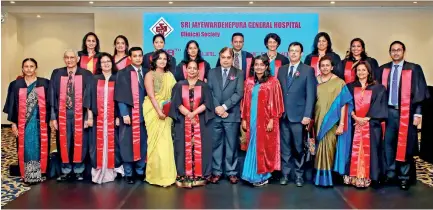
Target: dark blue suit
299 94
226 131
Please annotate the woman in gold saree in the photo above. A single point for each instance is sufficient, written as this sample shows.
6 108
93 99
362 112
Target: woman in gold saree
159 81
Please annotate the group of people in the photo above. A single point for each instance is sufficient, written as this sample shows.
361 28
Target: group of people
142 116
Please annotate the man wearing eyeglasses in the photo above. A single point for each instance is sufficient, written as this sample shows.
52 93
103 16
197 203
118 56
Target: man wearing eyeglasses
299 93
407 89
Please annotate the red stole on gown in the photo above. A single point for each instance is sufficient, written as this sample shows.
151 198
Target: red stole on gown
315 65
135 116
277 65
123 63
201 71
269 106
22 126
192 133
349 73
100 97
78 119
88 62
360 157
405 102
248 66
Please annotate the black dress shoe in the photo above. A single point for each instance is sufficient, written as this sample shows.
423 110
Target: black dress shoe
129 180
141 178
299 182
284 180
79 177
404 185
63 177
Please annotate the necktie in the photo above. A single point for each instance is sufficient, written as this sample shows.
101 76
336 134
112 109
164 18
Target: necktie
140 77
290 76
394 86
236 64
224 77
70 92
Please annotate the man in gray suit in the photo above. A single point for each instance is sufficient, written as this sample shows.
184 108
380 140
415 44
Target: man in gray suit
299 92
227 85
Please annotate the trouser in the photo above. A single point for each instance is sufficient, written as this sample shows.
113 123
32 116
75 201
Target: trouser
292 148
226 142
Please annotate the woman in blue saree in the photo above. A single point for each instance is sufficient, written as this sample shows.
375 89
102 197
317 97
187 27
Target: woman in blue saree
334 102
28 110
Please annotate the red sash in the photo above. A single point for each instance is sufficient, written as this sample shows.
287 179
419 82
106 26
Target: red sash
405 101
135 118
123 64
201 71
360 159
84 63
248 66
349 73
192 137
78 119
277 65
22 126
315 65
100 124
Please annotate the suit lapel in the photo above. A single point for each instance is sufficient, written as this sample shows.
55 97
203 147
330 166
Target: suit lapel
219 77
230 74
244 60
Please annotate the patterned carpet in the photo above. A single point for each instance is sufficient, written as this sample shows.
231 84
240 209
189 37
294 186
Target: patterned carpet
12 187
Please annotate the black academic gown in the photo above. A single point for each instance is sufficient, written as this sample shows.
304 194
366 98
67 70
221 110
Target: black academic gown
178 75
147 61
339 71
206 127
334 56
419 93
90 102
378 113
123 94
12 101
54 94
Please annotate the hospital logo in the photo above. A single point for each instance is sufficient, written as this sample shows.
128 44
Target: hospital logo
161 27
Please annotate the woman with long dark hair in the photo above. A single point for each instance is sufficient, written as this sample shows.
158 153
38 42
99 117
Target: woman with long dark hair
356 54
192 52
103 142
371 108
29 111
121 57
159 82
261 108
322 46
89 52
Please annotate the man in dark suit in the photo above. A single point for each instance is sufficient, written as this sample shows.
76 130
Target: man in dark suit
299 92
402 78
242 60
227 85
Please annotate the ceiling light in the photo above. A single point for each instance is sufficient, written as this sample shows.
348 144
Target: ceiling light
332 2
90 2
170 2
251 2
415 2
38 16
12 2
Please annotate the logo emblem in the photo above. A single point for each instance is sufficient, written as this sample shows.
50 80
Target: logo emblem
161 27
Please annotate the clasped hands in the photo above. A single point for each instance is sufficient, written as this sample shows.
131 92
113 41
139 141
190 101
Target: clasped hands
220 111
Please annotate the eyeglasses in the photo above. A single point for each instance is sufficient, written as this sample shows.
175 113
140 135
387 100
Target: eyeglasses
104 62
396 50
